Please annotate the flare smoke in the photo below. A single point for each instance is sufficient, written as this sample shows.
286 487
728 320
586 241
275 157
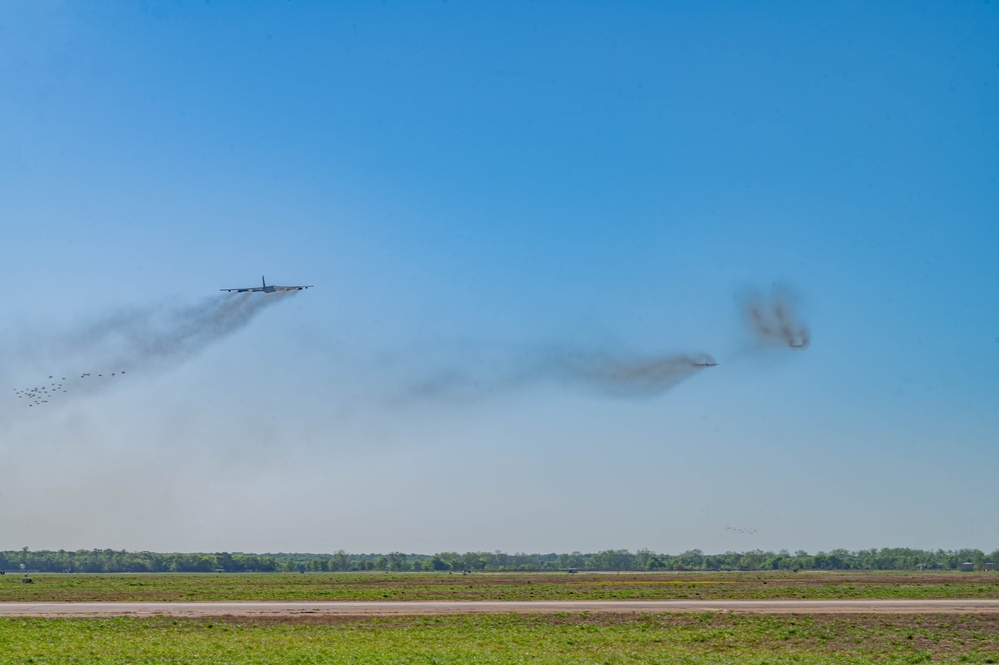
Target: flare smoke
608 371
625 376
165 335
141 338
774 322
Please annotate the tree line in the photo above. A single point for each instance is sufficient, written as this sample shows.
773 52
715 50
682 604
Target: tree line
121 561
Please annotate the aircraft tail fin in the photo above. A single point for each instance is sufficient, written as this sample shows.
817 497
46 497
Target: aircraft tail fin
263 282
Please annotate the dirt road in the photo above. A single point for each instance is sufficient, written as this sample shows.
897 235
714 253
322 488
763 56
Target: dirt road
348 608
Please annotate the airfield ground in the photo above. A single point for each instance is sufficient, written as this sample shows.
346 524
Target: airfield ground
497 586
544 638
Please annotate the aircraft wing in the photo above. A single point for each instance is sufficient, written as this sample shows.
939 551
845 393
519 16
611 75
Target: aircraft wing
267 288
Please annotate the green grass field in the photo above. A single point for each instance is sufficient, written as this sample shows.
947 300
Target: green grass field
563 639
496 586
543 639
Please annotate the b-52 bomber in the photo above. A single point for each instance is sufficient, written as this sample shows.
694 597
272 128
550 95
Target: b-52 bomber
266 288
706 364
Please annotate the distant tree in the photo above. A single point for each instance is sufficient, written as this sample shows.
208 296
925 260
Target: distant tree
397 562
437 563
340 561
473 561
224 561
116 561
691 559
611 560
575 560
453 560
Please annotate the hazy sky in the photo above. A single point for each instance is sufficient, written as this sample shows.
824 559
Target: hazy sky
516 216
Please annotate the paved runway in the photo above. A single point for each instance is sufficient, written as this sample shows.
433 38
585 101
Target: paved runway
352 608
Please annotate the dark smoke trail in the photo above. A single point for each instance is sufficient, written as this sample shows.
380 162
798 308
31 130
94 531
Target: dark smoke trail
164 335
625 376
138 338
773 320
609 372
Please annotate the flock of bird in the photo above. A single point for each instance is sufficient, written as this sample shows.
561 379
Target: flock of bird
735 529
38 395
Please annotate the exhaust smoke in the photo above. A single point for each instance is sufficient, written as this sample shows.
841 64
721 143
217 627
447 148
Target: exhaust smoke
608 371
774 321
148 338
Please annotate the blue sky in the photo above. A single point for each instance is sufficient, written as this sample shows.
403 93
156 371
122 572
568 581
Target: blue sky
472 185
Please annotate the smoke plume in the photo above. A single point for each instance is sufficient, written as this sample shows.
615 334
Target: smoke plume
464 374
607 371
774 321
165 335
83 359
629 376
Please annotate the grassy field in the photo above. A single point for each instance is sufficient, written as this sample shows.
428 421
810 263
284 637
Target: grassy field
497 586
575 638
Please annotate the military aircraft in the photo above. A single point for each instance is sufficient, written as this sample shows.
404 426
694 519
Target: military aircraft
266 288
706 364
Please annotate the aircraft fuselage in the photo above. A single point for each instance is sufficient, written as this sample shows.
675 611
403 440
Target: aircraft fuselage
267 288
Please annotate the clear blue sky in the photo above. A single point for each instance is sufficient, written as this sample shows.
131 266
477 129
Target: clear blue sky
472 185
